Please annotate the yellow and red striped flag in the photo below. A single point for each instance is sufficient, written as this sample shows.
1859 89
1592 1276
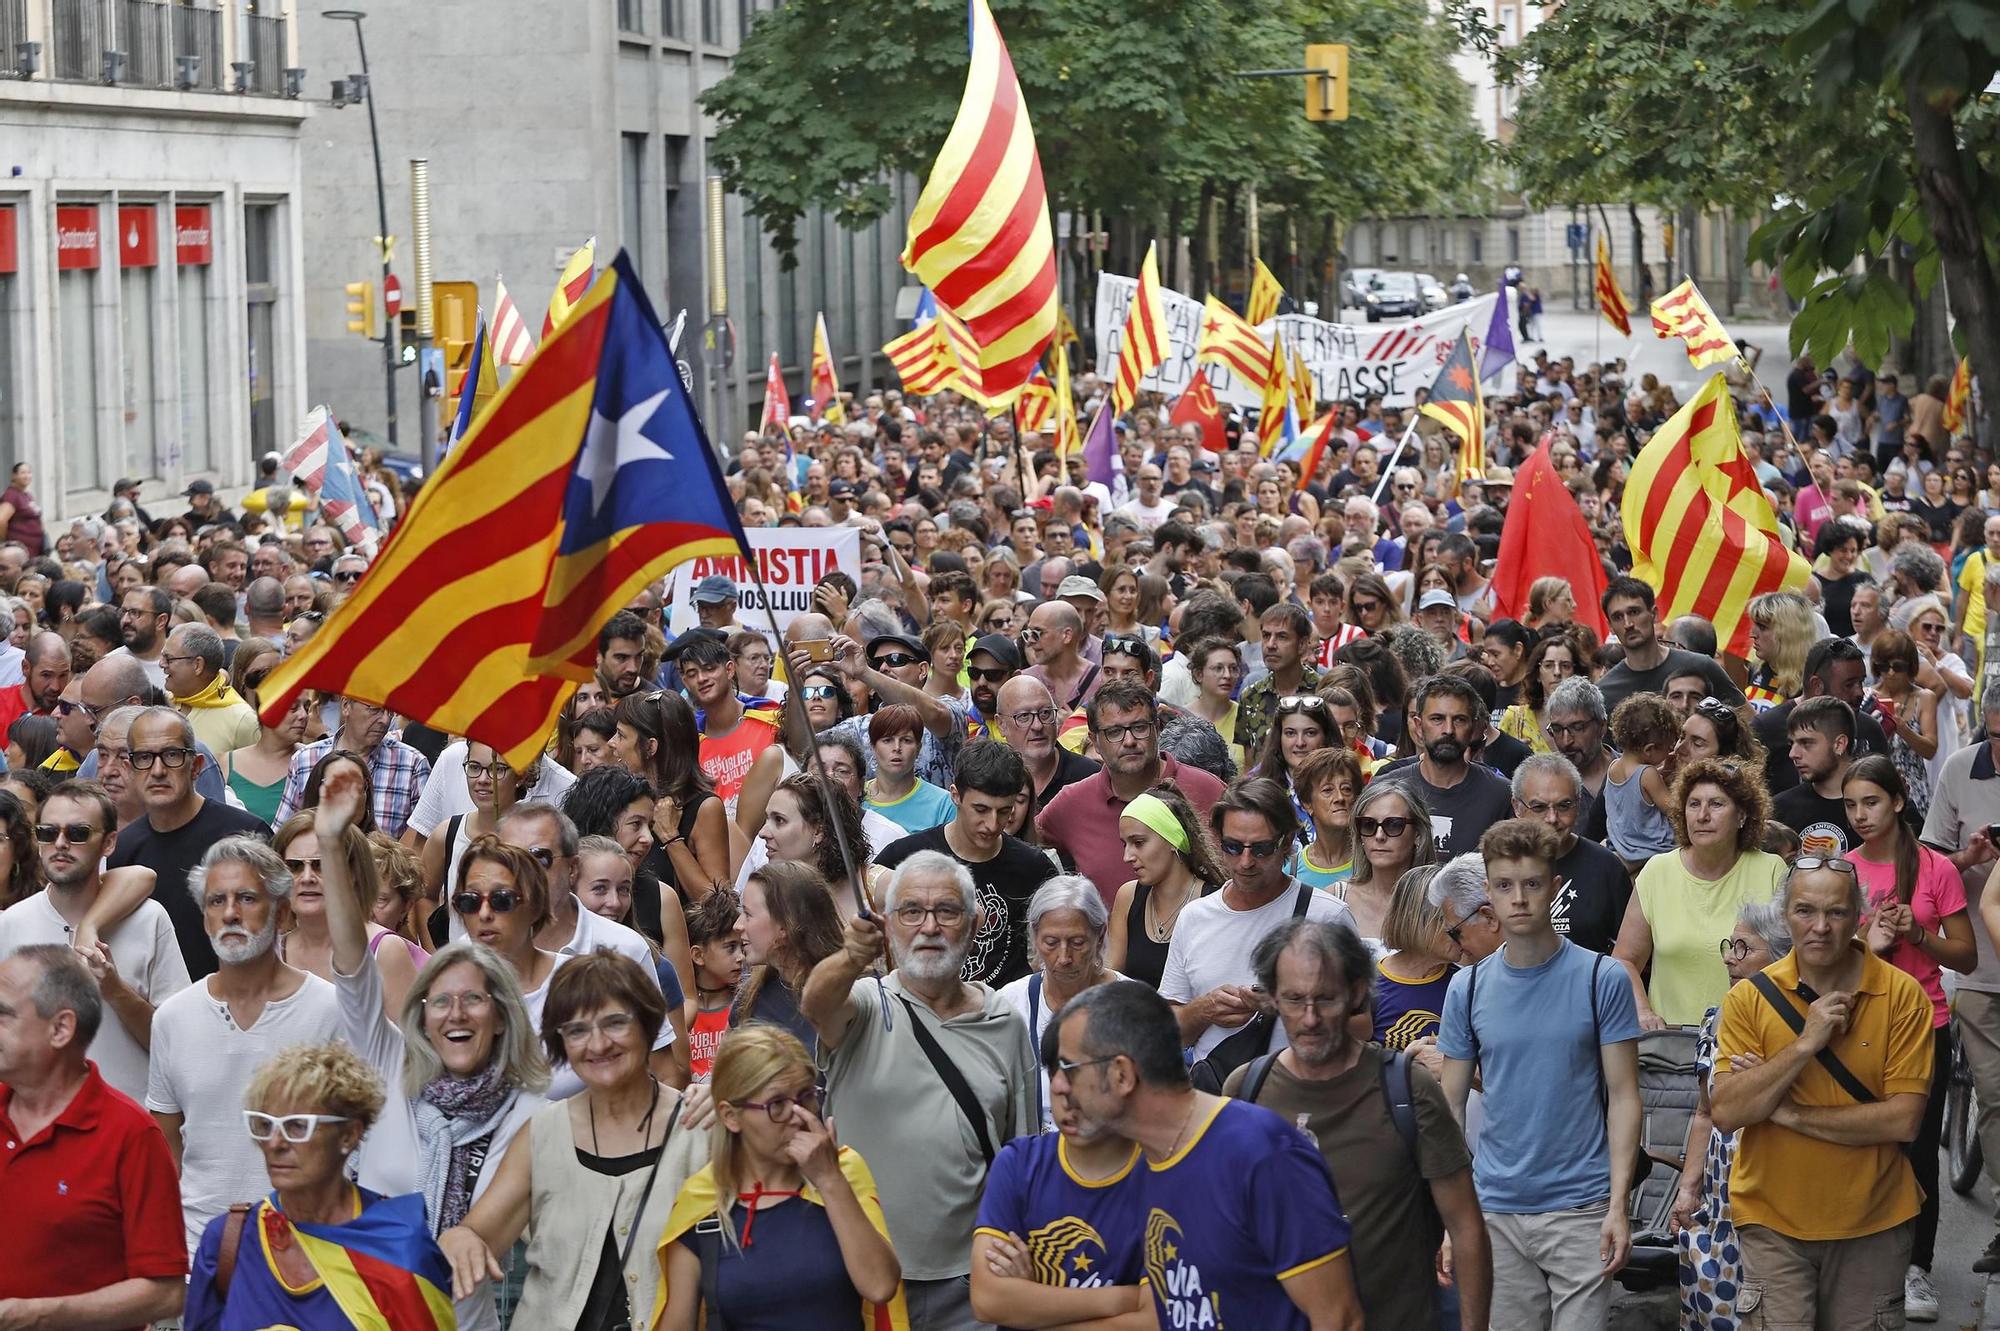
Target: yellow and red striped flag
921 360
585 480
1611 302
577 275
1685 314
1037 406
512 342
1456 402
1144 344
1958 401
825 388
1265 293
979 237
1228 341
1305 395
1068 440
1276 407
1700 530
1065 330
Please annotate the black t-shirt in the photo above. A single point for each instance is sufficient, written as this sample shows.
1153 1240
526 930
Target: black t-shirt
1801 397
1070 768
1591 903
170 855
1773 728
999 948
1836 600
1622 681
1820 822
1460 814
1503 753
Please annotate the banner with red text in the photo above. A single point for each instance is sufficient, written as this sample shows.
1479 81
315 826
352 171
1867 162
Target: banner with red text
791 560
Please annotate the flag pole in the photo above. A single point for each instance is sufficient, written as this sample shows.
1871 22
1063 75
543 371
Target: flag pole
1390 466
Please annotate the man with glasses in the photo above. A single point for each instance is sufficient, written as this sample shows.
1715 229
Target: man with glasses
78 1149
1029 721
1286 633
137 961
180 824
143 615
1464 798
1057 647
1592 886
1561 1132
209 1039
396 771
1629 607
1209 977
1574 719
929 1073
1457 892
1081 822
1840 1044
1338 1088
1005 870
194 661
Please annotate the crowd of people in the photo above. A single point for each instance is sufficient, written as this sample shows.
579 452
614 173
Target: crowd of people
1080 916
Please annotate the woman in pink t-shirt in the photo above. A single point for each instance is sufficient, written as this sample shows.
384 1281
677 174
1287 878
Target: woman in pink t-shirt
1916 920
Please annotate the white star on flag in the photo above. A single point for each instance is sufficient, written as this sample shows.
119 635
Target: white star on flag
611 446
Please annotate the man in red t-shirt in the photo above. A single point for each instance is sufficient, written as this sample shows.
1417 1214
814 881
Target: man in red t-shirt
44 675
105 1247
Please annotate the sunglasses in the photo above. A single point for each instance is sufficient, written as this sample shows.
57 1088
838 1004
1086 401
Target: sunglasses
981 675
294 1128
299 866
818 692
347 576
1301 702
74 833
1261 850
894 660
502 900
1386 826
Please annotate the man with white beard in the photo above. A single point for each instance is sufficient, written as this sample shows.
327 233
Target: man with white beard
210 1038
929 1075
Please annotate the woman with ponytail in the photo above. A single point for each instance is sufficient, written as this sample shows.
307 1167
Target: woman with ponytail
1917 921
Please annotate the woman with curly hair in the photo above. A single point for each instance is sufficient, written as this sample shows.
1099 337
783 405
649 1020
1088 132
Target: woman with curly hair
1686 898
799 827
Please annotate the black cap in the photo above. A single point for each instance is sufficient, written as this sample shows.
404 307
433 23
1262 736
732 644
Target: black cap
1001 648
681 643
915 646
199 488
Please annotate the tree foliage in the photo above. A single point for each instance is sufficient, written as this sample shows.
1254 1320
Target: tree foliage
1135 107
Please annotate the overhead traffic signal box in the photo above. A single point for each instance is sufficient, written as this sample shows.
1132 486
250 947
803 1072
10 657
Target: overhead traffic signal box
1326 84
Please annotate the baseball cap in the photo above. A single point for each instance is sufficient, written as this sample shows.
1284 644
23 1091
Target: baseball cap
199 488
125 483
1204 461
915 646
714 590
1437 597
1078 585
1000 647
840 489
694 635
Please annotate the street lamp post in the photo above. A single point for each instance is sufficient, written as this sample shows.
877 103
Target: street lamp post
389 338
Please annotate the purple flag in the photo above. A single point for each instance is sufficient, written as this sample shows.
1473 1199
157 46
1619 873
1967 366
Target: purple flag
1497 354
1100 447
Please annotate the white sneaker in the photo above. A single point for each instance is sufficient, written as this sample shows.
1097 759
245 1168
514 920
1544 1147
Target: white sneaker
1920 1300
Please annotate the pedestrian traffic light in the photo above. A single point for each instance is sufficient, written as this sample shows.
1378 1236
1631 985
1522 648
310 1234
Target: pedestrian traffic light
1326 86
406 336
361 309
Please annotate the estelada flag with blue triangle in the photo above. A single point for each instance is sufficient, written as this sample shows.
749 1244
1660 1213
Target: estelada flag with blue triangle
1456 401
585 480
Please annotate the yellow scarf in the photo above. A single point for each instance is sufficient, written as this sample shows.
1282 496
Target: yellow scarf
217 694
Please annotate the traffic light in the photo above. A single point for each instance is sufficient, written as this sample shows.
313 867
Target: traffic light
406 336
1326 87
361 309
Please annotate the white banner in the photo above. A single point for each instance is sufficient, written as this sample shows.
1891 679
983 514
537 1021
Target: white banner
1347 360
792 561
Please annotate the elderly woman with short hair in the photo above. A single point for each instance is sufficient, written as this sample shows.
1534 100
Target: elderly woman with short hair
1067 934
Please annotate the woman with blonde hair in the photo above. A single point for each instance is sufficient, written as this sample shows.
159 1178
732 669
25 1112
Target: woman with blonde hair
781 1218
1411 979
1781 633
1393 831
1550 601
308 942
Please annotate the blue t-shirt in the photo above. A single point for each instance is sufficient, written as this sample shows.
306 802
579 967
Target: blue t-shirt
922 809
1080 1234
1543 1146
1245 1204
1407 1010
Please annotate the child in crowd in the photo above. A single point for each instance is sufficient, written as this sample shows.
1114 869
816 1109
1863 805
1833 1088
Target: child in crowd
1645 728
715 941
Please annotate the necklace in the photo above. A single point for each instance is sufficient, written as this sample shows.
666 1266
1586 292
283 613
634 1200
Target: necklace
645 1124
1161 929
1186 1123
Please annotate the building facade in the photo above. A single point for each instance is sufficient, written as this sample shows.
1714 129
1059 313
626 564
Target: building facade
150 258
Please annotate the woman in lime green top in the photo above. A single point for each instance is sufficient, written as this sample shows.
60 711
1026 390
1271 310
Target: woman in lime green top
1216 664
1550 662
256 772
1327 781
1686 898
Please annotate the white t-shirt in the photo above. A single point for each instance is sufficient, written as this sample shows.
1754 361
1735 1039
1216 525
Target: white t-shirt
155 673
1037 1021
445 793
201 1066
1148 519
148 959
1212 946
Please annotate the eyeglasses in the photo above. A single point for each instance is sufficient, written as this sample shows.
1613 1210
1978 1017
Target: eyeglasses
612 1026
981 675
301 865
1392 827
484 770
1069 1069
74 833
911 916
1259 850
472 1002
1361 607
1807 863
1139 730
1452 930
1032 634
1039 716
501 900
1734 949
168 659
818 692
1543 808
1569 729
309 617
1301 702
779 1107
351 575
542 855
294 1128
1320 1007
143 759
67 708
1715 707
894 660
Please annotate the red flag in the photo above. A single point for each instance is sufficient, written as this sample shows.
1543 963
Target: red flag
1317 452
1546 536
1197 406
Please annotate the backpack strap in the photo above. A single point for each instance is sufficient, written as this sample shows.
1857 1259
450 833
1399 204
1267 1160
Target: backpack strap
232 1243
1254 1076
1597 1039
1401 1101
1302 900
1034 1034
1472 992
1829 1060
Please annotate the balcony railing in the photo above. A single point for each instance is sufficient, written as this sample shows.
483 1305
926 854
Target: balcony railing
267 54
77 39
198 32
13 30
142 36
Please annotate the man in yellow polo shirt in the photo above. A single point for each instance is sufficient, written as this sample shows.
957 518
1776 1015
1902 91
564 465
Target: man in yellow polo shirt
1821 1193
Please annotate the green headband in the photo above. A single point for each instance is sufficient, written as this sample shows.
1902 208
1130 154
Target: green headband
1151 810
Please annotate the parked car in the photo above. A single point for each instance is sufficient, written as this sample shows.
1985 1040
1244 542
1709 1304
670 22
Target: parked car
1354 287
1394 295
1435 296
